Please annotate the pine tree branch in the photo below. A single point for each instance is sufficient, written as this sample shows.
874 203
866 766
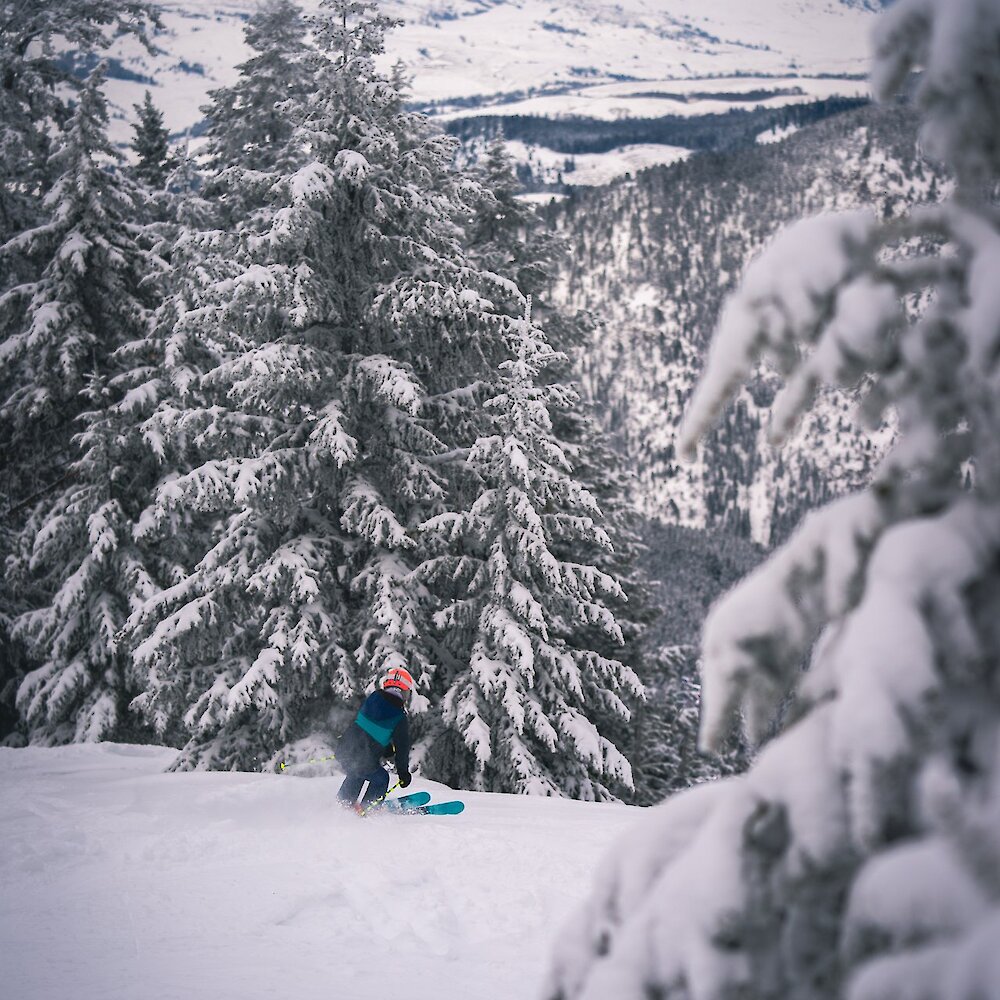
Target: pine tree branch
17 508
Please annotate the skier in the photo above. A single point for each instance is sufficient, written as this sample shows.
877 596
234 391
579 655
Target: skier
380 730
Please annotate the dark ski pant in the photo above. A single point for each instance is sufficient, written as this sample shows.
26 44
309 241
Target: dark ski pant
378 783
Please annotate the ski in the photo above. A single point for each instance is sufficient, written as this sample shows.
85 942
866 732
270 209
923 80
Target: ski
437 809
405 802
415 803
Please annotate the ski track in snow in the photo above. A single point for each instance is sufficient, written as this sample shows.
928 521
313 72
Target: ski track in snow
122 882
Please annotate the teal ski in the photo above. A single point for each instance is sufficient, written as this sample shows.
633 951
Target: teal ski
405 802
438 809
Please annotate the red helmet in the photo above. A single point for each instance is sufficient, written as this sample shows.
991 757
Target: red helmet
398 680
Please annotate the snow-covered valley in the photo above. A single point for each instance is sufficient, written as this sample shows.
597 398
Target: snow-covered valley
586 60
123 882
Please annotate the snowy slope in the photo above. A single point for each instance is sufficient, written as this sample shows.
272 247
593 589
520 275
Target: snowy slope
477 48
122 882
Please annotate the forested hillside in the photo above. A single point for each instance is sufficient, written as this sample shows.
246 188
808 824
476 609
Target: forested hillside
734 129
655 255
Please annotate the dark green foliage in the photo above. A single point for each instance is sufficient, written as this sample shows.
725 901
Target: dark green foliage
690 569
13 666
151 145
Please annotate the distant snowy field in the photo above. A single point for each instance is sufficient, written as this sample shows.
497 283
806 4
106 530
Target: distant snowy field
463 48
594 58
588 169
121 882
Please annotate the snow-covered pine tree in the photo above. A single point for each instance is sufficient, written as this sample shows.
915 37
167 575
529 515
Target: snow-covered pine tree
177 424
35 91
348 327
190 208
859 856
35 83
508 236
527 705
250 125
151 145
77 547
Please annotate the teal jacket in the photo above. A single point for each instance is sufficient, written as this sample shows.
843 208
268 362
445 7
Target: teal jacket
380 724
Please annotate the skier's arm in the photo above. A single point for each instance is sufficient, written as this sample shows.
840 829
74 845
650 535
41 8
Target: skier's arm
401 739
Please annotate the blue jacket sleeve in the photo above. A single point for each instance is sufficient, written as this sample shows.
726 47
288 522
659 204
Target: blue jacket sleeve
401 741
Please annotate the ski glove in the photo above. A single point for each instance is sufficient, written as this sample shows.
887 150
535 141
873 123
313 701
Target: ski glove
404 779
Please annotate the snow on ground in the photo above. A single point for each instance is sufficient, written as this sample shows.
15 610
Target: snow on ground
586 169
123 882
776 134
541 197
462 47
589 58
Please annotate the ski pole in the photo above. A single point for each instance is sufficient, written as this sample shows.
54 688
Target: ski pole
312 760
379 800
